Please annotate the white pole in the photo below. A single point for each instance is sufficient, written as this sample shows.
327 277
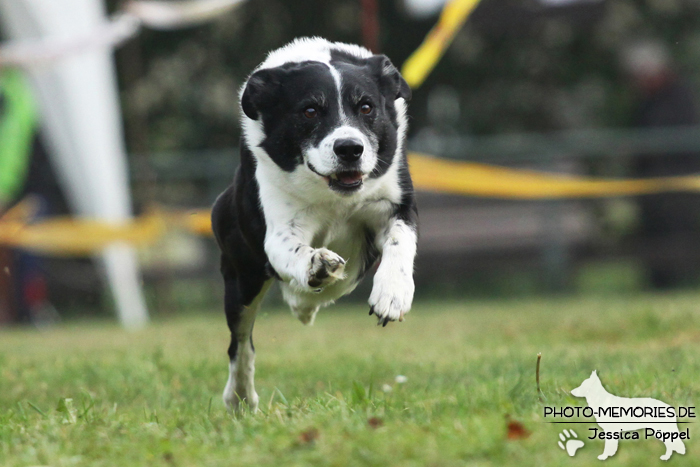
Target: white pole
81 122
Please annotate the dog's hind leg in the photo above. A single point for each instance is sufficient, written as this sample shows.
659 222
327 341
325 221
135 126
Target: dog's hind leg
671 446
240 315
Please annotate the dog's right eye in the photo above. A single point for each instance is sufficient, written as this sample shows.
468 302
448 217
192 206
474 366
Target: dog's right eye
310 112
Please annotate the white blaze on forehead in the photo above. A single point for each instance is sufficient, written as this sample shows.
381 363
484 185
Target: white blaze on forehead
339 86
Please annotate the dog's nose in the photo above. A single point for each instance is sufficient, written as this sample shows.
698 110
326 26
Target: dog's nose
348 150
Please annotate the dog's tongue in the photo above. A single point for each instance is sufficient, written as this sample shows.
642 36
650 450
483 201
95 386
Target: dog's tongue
348 178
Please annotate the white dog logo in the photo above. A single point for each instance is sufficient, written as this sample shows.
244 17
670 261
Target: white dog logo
617 415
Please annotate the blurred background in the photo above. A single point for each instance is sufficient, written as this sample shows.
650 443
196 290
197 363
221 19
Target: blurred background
597 87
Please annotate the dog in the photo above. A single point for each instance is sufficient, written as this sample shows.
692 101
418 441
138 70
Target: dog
608 410
322 193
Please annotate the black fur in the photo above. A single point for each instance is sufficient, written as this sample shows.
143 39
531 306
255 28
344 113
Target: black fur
281 106
239 228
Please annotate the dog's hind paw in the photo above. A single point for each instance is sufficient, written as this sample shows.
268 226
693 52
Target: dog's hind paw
237 402
325 268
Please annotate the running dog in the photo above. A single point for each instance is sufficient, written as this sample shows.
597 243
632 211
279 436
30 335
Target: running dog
321 195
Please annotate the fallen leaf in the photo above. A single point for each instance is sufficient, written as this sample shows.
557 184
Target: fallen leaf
169 458
375 422
516 430
309 436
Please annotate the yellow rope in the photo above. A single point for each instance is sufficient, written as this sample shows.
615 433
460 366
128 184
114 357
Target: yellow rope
67 236
419 65
469 178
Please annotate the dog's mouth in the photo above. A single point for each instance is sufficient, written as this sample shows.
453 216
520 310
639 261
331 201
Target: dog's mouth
344 181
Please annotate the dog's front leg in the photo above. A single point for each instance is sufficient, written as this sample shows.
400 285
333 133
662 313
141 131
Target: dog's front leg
609 450
392 292
305 268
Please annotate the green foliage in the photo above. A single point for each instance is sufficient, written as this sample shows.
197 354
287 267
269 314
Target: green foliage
515 66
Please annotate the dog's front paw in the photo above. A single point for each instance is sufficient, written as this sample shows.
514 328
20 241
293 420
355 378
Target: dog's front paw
325 267
391 297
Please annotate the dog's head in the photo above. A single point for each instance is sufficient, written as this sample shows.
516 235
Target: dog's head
334 112
591 385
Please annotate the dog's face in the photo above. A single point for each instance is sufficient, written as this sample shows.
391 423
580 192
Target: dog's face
590 385
336 119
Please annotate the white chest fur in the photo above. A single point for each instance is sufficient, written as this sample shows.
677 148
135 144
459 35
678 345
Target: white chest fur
301 212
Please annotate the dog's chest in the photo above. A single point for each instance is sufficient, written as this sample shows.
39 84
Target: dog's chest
352 234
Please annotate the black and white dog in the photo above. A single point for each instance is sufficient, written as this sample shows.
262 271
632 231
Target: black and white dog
321 195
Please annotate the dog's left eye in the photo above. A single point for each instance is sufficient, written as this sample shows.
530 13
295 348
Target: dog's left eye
365 109
310 112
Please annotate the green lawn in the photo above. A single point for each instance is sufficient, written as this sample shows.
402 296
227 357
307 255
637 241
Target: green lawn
153 397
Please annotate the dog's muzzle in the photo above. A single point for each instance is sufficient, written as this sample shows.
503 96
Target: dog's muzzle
343 181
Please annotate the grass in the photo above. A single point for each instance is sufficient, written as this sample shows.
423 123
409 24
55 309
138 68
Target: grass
152 398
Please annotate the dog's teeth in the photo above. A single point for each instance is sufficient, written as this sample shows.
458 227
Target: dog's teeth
334 176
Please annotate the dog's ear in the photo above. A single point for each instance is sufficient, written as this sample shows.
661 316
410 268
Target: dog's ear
391 82
260 91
